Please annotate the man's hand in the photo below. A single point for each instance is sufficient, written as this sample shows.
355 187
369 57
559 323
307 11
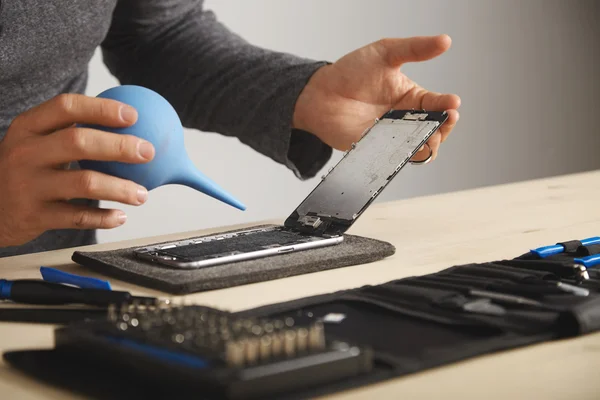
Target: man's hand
35 186
343 99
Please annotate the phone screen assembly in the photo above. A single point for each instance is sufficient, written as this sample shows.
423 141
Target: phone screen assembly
322 218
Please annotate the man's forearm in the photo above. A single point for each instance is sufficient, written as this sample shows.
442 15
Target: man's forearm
216 81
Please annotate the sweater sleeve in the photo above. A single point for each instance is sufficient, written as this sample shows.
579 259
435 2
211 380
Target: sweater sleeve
217 81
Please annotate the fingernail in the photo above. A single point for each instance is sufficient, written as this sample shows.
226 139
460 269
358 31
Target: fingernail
128 114
121 217
146 150
142 195
421 149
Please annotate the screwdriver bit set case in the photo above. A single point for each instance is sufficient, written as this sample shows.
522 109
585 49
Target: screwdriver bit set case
326 343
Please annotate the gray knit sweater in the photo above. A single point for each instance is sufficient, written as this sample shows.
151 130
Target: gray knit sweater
216 81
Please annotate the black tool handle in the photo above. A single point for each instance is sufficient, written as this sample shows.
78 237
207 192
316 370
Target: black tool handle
521 289
54 316
41 292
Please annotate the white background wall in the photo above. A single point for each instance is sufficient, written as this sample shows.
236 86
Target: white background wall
527 73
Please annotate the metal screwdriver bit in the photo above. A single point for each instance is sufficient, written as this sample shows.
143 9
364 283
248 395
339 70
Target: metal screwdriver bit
316 336
268 327
236 326
146 325
112 313
302 339
247 324
252 350
289 343
234 353
204 317
256 330
189 335
265 347
277 344
178 338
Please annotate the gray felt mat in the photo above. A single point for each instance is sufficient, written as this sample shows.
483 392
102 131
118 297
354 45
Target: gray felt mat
122 264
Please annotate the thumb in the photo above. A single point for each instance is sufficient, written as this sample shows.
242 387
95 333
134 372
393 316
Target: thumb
421 48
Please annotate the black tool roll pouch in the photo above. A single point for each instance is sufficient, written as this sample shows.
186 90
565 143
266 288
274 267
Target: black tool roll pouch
388 330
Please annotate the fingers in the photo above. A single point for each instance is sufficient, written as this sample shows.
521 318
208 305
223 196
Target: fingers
61 215
86 184
450 123
421 48
434 142
423 153
420 98
438 102
74 144
437 138
424 99
68 109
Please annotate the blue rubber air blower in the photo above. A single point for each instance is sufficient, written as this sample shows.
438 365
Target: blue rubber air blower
159 124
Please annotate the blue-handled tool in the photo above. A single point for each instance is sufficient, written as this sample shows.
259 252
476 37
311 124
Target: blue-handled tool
31 291
85 282
547 251
589 261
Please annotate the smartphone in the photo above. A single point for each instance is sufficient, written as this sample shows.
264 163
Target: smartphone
331 208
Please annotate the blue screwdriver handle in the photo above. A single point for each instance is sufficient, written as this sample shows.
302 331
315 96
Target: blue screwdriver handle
85 282
547 251
589 261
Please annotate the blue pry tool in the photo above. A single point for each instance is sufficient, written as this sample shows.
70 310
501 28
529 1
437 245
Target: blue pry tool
589 261
547 251
57 276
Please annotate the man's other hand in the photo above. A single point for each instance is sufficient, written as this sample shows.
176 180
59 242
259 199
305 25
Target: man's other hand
343 99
